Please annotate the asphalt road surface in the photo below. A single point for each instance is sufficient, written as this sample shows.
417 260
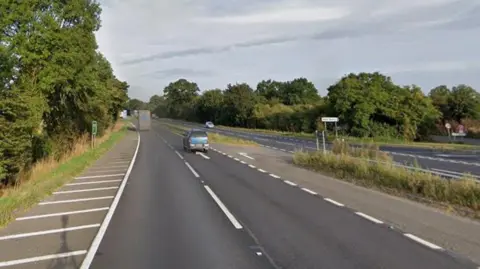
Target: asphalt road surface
445 162
184 210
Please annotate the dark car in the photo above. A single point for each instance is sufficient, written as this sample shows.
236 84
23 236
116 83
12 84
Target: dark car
195 140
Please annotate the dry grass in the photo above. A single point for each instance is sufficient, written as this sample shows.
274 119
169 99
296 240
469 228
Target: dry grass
463 194
213 137
48 175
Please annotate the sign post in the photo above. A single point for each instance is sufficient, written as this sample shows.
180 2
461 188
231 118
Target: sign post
316 139
448 127
94 132
330 119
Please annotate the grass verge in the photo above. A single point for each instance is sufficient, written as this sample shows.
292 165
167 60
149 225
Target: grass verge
379 141
212 137
48 175
462 196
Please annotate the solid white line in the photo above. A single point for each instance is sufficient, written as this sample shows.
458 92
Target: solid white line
63 213
204 156
85 190
454 173
333 202
101 232
119 162
370 218
251 166
192 170
246 156
76 200
15 236
421 241
261 170
232 219
273 175
43 258
108 167
111 175
290 183
179 155
93 182
104 171
309 191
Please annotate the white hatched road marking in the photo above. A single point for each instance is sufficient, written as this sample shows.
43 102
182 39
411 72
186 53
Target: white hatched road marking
43 258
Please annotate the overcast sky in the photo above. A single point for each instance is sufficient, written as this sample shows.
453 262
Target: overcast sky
215 42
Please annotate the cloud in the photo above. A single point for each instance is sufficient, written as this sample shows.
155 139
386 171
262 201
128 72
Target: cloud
214 42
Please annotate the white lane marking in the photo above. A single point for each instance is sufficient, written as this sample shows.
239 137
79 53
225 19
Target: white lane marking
76 200
179 155
290 183
454 173
370 218
236 159
119 162
108 167
111 175
192 170
245 155
63 213
243 162
93 182
309 191
103 228
252 166
273 175
333 202
232 219
69 229
230 156
204 156
261 170
104 171
421 241
85 190
43 258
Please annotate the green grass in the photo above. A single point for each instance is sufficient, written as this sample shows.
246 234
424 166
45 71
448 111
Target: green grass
45 182
379 141
212 137
461 195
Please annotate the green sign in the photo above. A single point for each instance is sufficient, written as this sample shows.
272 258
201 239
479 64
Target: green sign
94 127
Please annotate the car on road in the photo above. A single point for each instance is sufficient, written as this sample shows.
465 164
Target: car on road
195 140
209 124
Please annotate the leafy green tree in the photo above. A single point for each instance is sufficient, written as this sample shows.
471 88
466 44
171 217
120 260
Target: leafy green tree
136 104
298 91
239 102
180 97
269 89
464 102
440 97
209 105
155 101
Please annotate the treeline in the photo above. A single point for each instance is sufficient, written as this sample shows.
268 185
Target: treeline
368 105
53 81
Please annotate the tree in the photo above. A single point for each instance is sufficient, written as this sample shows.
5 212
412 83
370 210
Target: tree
210 105
464 102
180 97
155 101
440 97
136 104
298 91
238 105
269 89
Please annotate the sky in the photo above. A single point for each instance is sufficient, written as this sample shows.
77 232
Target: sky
151 43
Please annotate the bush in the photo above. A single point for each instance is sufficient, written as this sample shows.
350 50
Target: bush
464 192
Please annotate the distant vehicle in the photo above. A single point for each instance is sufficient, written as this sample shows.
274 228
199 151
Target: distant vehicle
195 140
209 124
144 120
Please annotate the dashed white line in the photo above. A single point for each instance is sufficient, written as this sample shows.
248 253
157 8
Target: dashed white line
86 190
63 213
290 183
93 182
261 170
423 242
236 159
225 210
246 155
76 200
309 191
243 162
192 170
252 166
334 202
204 156
370 218
223 153
230 156
69 229
273 175
179 155
43 258
111 175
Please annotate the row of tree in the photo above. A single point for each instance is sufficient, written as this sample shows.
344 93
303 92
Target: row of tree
53 81
367 104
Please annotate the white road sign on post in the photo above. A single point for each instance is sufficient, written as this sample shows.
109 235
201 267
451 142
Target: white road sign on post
448 126
329 119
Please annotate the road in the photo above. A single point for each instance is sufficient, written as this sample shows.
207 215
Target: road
183 210
445 162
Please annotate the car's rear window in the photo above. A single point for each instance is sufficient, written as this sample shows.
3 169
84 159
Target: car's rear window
198 134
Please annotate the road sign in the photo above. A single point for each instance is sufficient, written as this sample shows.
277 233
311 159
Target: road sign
448 126
94 127
459 134
460 129
329 119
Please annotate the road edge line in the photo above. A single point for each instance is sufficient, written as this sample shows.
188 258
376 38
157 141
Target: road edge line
87 261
